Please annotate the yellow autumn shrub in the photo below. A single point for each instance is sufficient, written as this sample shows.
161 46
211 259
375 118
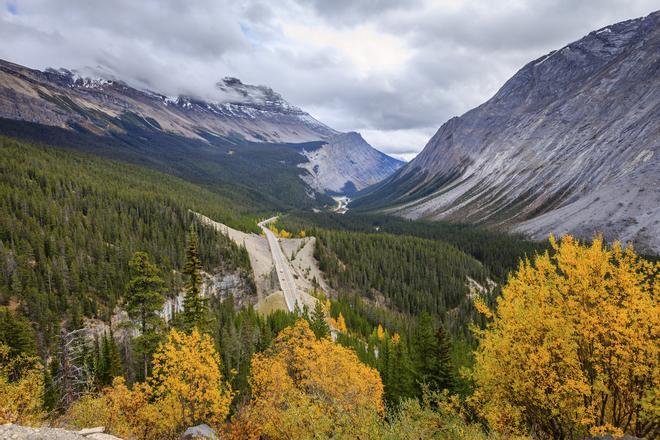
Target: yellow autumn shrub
572 348
437 416
21 389
186 388
303 388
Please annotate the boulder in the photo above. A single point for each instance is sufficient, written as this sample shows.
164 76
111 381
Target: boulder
202 431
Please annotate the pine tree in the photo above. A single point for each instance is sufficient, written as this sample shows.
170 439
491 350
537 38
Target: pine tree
317 322
195 309
442 361
144 295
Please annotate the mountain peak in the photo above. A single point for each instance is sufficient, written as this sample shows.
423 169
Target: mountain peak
234 91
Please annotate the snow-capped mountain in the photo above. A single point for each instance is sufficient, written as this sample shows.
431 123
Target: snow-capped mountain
242 113
64 98
570 144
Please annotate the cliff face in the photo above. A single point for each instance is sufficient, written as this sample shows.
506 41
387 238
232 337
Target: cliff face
571 143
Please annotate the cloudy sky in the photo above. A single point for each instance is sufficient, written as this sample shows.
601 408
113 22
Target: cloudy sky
394 70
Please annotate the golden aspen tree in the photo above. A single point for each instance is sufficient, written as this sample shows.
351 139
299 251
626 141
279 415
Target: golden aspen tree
380 332
186 388
187 380
572 348
305 387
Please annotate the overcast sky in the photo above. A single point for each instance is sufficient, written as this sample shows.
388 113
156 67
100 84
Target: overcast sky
394 70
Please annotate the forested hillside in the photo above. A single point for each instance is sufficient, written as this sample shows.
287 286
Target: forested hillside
80 235
413 267
70 223
263 176
499 252
412 274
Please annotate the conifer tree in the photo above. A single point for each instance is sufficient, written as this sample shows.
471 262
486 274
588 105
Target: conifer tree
110 361
114 361
16 332
401 377
50 396
195 309
144 300
431 355
317 322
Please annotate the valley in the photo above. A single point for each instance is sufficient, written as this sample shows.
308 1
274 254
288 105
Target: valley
181 256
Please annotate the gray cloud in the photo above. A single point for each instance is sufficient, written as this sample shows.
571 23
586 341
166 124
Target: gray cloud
394 70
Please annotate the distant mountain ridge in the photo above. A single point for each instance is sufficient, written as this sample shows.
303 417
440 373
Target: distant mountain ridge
570 144
242 113
64 98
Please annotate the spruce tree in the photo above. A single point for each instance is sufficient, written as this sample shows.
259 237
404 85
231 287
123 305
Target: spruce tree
16 332
432 361
317 322
195 309
144 299
443 367
110 361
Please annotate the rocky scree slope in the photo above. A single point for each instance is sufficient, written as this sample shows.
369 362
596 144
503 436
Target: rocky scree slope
570 144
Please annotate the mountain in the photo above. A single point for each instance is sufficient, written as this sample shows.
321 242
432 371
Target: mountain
570 144
346 164
66 99
75 110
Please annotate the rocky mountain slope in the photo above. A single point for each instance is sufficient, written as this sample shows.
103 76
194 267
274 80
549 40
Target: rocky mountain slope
346 164
65 99
571 143
242 113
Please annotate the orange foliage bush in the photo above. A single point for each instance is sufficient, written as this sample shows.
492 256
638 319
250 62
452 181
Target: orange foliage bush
303 387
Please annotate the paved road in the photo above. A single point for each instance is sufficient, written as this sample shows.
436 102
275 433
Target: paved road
284 275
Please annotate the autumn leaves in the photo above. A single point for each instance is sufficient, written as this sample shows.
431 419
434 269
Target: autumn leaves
573 346
304 386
